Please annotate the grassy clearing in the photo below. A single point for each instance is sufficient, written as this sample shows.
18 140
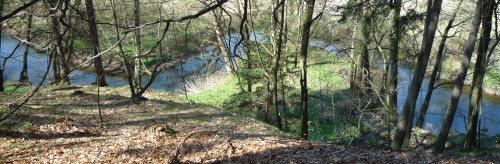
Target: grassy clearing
327 86
330 106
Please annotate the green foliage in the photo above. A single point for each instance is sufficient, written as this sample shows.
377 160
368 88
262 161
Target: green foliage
14 87
349 11
215 95
81 44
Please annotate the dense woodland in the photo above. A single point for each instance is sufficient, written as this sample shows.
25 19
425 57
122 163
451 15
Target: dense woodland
202 81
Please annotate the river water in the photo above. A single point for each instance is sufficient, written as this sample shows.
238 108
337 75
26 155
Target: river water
170 80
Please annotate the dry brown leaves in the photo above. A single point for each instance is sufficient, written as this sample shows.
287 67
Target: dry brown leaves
74 137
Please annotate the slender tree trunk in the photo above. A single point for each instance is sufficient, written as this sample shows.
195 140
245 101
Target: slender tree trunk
128 68
478 77
1 38
54 24
361 85
299 30
266 108
100 78
276 62
363 72
405 122
459 81
219 32
392 99
1 80
62 66
439 56
137 46
306 32
24 78
246 43
55 68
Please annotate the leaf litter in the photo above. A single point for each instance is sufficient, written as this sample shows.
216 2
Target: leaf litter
66 129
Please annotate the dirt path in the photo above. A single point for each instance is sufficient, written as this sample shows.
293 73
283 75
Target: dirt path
65 129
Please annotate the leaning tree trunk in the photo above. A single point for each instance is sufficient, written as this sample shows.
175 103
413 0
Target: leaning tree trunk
100 79
478 77
24 78
439 56
306 32
392 99
459 81
276 62
128 68
405 122
137 46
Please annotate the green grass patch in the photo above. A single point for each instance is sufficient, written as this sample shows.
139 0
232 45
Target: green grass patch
215 91
15 87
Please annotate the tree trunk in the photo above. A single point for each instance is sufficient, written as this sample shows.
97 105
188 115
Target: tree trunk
299 30
276 62
306 31
1 79
1 38
478 76
137 46
363 72
61 65
392 88
439 56
100 79
219 32
459 81
128 68
405 122
24 78
266 108
246 44
361 84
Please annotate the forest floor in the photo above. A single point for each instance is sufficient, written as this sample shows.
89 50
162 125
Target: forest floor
61 127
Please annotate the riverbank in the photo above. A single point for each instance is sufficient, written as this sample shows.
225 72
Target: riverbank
112 62
491 83
59 126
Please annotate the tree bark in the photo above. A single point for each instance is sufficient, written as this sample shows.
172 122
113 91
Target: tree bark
276 62
478 77
24 78
1 79
1 38
392 99
405 122
246 43
62 69
459 81
363 65
306 32
439 56
100 78
219 32
128 68
137 46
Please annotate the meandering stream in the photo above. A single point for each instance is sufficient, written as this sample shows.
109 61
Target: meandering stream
170 80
